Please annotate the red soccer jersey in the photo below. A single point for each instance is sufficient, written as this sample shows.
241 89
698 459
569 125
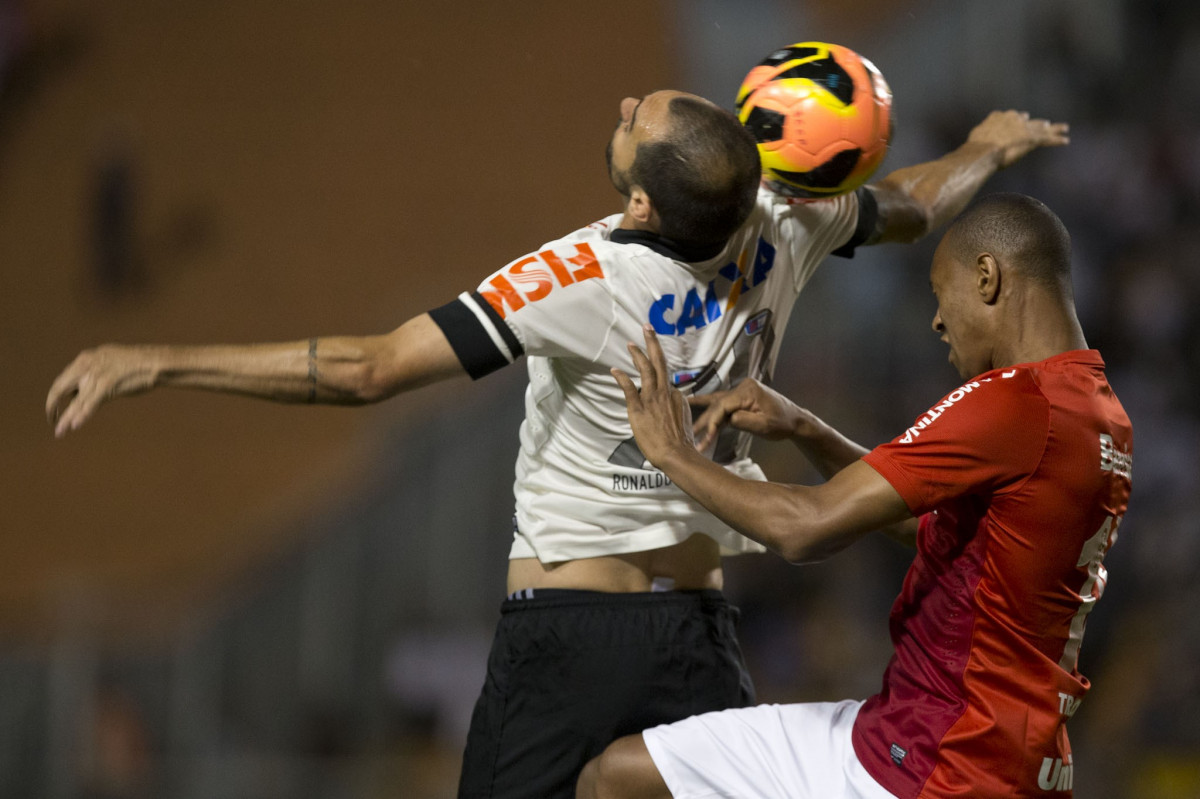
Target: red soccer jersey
1022 475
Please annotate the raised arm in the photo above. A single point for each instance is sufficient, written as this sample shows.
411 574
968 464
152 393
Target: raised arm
918 199
766 413
343 370
801 523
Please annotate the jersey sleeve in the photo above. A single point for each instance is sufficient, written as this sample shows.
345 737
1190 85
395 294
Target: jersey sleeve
554 303
985 437
864 227
477 334
810 230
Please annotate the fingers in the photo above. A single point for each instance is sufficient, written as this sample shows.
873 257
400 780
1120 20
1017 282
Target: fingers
651 363
654 350
721 408
53 399
80 407
63 400
55 415
92 379
75 395
705 432
658 414
1011 127
704 403
708 425
644 367
632 398
63 386
72 414
684 412
1058 133
1016 134
1045 132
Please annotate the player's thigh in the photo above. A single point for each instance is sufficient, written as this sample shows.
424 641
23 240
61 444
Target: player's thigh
764 752
624 771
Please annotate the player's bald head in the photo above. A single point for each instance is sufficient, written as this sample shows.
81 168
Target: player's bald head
702 173
1018 231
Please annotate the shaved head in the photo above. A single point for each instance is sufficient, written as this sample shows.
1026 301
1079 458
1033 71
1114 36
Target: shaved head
1019 231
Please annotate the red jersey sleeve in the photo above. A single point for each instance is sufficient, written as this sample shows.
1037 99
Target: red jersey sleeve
985 437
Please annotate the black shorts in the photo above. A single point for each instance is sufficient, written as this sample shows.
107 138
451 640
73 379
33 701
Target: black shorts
570 671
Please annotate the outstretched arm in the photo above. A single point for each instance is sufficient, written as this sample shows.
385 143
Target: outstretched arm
347 370
766 413
918 199
801 523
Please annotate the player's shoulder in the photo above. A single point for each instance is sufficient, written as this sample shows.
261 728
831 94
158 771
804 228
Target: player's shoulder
824 221
1011 395
1002 387
605 237
993 401
596 245
774 203
592 233
1041 380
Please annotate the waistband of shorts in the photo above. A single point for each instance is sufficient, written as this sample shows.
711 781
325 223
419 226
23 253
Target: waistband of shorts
544 598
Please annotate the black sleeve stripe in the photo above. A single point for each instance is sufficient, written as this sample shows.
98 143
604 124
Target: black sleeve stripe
868 216
493 321
480 338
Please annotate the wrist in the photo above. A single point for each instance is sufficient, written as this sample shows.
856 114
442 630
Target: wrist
156 365
991 153
673 457
805 426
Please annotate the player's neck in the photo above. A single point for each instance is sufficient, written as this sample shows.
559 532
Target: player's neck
1042 337
1034 323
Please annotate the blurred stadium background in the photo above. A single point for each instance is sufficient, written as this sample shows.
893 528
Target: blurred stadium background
205 596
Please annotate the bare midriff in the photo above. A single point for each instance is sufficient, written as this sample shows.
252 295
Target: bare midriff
691 564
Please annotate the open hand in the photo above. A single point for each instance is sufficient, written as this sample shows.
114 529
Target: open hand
93 378
1014 134
658 413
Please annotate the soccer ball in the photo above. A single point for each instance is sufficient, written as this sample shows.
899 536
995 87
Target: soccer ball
821 114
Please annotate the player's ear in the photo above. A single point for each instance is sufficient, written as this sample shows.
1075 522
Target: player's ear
640 208
987 277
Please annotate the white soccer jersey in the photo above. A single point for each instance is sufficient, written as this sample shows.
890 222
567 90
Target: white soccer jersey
583 488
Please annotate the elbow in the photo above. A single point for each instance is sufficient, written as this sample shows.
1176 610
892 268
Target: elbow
906 216
797 556
797 547
911 224
802 545
358 371
361 383
795 526
803 553
370 384
820 521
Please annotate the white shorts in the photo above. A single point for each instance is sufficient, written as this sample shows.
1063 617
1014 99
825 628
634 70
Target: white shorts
764 752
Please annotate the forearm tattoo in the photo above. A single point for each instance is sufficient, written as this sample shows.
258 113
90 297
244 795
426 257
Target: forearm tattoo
312 370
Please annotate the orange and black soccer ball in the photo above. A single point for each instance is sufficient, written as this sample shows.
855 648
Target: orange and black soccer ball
821 115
